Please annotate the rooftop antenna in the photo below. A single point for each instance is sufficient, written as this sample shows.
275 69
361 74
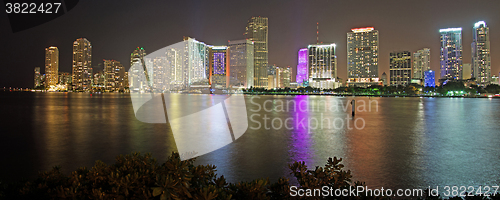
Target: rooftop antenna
317 32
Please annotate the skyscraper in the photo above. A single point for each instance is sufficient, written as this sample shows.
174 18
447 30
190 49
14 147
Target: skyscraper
82 60
242 66
196 68
257 31
451 53
362 54
136 57
400 68
51 66
481 59
283 77
302 69
219 66
421 63
113 78
322 64
37 78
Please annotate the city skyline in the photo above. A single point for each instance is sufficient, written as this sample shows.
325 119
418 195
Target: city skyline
284 40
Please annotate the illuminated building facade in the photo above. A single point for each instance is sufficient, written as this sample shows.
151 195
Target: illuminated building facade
322 65
51 66
429 78
82 60
283 77
400 68
195 59
135 58
160 73
174 64
256 31
37 78
242 62
302 69
113 75
99 80
481 59
176 67
219 66
421 63
65 79
451 53
362 54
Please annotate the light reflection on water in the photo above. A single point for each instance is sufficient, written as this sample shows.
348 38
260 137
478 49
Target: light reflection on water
406 143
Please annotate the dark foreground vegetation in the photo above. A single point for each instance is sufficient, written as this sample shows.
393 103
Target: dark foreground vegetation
136 176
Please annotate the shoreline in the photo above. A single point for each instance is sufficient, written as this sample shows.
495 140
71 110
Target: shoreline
283 94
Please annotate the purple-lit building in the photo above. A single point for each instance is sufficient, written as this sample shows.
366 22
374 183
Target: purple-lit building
219 66
302 69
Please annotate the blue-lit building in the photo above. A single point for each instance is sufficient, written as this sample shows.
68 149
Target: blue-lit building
429 78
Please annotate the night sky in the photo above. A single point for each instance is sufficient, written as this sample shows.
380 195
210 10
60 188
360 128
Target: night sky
116 28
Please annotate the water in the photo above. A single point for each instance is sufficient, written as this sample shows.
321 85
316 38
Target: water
405 143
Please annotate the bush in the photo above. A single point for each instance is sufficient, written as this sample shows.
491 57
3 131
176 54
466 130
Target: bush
137 176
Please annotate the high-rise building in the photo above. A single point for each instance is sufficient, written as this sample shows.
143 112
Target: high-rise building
302 69
160 75
219 66
136 57
362 54
322 64
242 66
466 71
481 59
113 73
282 77
99 80
257 31
37 78
196 68
65 79
82 60
400 68
421 63
451 53
177 67
51 66
271 76
429 80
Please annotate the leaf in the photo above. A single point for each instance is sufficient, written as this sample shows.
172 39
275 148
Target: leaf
157 191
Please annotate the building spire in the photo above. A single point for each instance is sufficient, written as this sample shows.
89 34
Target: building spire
317 32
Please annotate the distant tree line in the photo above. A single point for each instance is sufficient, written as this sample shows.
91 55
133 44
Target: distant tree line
450 88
